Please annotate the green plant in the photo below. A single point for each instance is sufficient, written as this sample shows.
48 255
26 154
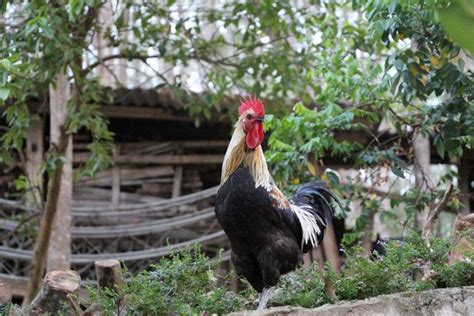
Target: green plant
301 288
183 283
406 266
186 283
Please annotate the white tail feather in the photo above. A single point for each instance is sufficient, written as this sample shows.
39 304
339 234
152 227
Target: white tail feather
309 224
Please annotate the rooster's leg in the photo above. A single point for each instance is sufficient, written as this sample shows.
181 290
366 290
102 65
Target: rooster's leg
264 297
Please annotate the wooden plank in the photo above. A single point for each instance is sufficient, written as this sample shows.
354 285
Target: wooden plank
159 159
127 111
93 194
215 237
141 112
126 173
186 144
141 209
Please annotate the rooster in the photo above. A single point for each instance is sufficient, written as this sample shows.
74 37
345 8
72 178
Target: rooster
268 233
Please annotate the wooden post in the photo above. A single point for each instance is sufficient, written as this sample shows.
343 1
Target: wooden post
307 260
466 177
234 283
318 255
330 248
368 233
5 294
178 177
59 253
34 159
109 276
57 294
116 186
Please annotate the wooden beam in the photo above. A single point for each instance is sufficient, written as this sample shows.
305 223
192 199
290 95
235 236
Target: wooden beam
142 112
158 159
126 111
219 143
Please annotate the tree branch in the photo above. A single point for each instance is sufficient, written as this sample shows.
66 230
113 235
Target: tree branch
434 213
141 57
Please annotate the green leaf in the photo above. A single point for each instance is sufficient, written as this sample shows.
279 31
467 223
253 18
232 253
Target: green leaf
4 93
458 22
439 144
398 172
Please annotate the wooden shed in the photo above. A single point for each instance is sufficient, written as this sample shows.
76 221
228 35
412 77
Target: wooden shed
156 198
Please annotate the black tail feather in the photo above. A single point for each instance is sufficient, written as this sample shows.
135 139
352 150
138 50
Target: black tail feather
321 199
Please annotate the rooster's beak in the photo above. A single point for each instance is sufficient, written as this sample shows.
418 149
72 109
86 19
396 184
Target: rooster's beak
260 119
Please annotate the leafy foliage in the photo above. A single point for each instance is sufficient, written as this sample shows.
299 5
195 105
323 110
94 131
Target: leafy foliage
456 19
406 266
304 287
400 76
186 283
45 41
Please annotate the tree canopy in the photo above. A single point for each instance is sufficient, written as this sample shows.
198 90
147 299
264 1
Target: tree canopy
348 66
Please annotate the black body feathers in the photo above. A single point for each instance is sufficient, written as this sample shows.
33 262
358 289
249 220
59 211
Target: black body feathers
268 237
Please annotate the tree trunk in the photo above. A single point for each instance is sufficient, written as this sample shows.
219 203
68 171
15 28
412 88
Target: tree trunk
59 146
42 242
421 150
59 253
105 20
34 159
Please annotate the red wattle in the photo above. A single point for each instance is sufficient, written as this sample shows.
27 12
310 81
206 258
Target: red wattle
255 137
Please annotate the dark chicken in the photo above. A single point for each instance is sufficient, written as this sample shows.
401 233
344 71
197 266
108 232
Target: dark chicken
267 232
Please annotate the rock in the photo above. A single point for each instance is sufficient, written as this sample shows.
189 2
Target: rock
439 302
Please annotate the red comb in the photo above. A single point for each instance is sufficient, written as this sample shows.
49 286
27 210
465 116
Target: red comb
252 103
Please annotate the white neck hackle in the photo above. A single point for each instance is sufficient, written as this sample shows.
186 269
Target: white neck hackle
237 154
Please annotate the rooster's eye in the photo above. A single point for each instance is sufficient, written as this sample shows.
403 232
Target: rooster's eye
249 116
